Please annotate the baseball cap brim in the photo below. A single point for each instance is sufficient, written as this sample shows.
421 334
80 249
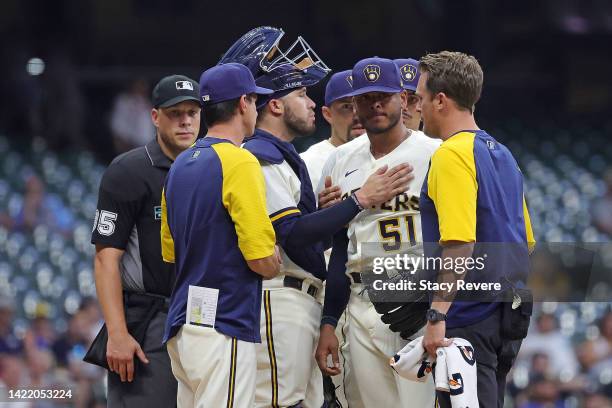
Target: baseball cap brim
261 102
336 97
263 91
410 88
368 89
178 99
256 90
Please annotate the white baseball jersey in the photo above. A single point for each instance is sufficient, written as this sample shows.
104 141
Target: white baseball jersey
315 157
330 163
396 221
290 318
282 197
371 342
320 159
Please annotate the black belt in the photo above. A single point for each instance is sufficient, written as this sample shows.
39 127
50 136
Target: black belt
356 277
296 283
141 298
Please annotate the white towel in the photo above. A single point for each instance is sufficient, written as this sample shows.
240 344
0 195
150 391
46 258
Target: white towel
412 362
455 369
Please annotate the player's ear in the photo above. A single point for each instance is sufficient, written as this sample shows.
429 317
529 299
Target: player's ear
440 101
155 117
276 107
243 104
326 112
404 99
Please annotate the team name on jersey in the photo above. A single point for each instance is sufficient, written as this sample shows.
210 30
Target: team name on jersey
403 201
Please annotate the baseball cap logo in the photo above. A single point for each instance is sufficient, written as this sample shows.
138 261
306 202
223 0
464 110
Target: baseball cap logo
184 85
371 72
205 98
349 79
408 72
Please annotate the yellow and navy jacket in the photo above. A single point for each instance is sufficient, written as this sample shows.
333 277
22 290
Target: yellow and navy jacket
473 192
214 218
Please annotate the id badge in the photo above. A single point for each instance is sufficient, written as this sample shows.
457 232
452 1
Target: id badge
202 306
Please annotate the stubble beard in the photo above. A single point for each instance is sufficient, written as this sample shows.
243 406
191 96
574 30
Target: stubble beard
393 121
171 145
297 126
430 130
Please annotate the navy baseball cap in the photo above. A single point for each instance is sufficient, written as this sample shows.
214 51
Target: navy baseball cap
409 71
228 81
285 79
339 86
376 75
174 89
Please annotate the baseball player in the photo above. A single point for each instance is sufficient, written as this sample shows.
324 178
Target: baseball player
379 100
291 312
216 230
339 113
345 127
409 71
328 194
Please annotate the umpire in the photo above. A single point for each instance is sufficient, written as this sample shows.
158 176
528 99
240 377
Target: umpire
132 281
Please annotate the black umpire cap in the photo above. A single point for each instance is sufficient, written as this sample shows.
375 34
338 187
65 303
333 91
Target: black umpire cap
175 89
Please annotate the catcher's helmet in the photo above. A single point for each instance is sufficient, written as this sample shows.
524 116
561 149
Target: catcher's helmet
259 50
254 48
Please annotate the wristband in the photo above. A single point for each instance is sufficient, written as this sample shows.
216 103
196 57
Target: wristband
357 203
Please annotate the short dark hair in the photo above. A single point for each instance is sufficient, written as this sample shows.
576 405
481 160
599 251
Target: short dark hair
219 112
223 111
456 74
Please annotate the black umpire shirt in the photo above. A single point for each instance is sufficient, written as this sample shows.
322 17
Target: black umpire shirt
129 218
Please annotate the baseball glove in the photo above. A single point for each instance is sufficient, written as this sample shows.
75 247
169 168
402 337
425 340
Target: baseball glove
403 312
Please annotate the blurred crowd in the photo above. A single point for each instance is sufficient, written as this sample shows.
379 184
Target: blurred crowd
554 369
602 207
562 364
38 208
557 370
39 356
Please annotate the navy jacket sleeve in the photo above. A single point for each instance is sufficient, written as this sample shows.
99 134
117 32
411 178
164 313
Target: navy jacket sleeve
305 237
338 286
318 226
